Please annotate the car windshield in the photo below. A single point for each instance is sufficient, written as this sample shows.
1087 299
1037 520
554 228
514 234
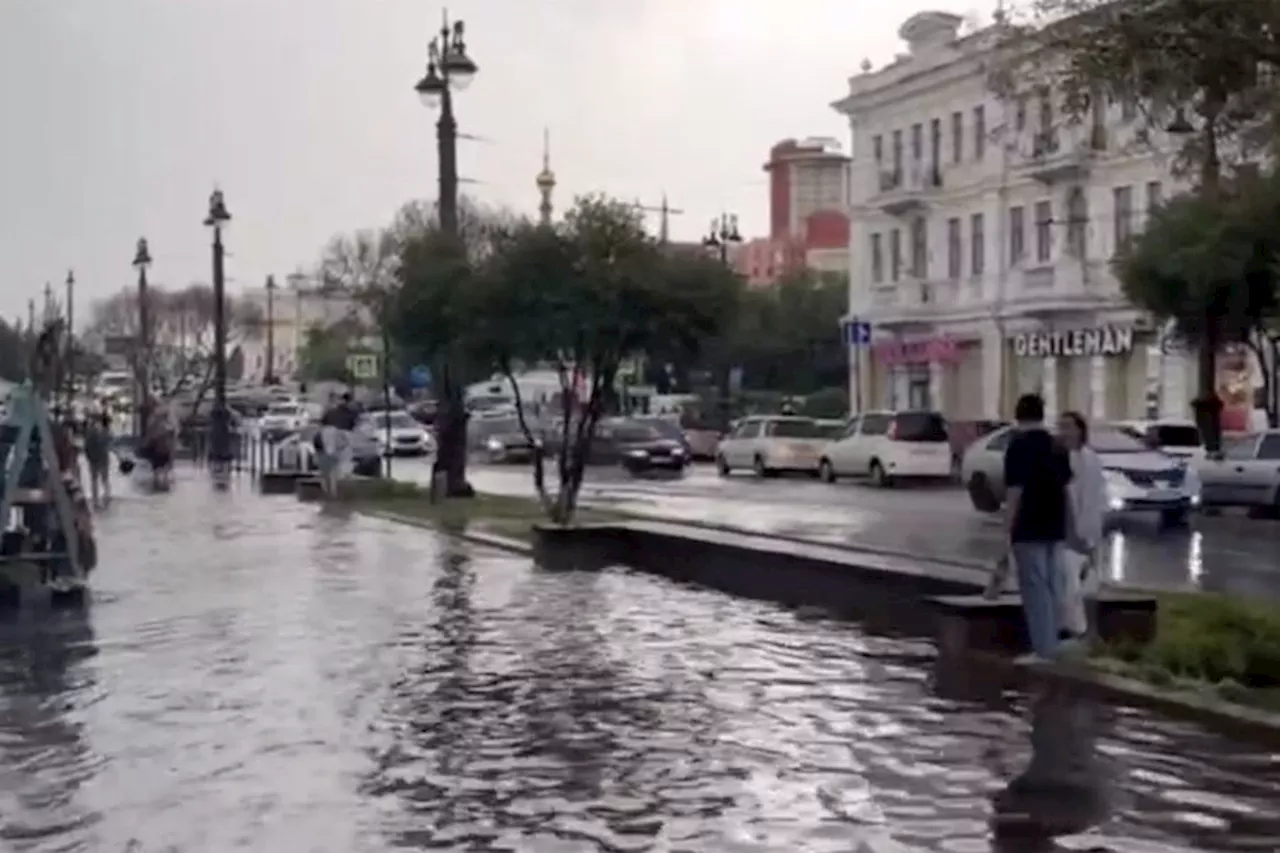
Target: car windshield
920 427
1114 441
665 428
831 430
633 432
794 428
398 420
1176 435
289 409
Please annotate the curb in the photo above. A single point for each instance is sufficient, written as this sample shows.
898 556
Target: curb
491 540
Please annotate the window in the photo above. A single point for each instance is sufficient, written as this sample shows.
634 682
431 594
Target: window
1000 441
793 428
1239 447
895 254
977 248
953 248
919 248
875 424
1044 231
1270 447
917 143
877 148
957 137
1017 234
1122 201
877 258
1175 435
747 429
979 131
935 145
920 427
1077 223
1155 196
852 429
897 156
1046 110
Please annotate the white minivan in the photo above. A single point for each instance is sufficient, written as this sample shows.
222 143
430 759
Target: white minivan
889 446
771 444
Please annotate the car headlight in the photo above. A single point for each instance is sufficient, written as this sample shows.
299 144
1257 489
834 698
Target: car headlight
1117 486
537 442
638 454
494 445
677 451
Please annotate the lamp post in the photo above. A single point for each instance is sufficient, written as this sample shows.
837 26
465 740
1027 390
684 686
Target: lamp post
70 349
220 438
724 232
448 69
269 376
142 359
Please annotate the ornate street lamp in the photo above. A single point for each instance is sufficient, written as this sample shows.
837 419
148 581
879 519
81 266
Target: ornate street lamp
724 232
142 347
449 68
220 437
269 375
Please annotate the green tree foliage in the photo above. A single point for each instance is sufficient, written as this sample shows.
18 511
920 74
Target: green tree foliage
1199 62
582 297
788 337
325 350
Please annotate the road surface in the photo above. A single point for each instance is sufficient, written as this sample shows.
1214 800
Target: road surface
1228 553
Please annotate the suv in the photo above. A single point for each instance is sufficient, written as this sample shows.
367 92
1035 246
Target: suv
771 444
887 446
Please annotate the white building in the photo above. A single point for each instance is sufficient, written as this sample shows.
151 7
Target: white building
981 235
296 307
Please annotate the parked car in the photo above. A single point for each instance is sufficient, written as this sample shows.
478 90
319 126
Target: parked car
1246 474
297 453
832 429
424 411
668 428
280 419
890 446
1138 479
1174 437
637 446
397 433
507 442
771 444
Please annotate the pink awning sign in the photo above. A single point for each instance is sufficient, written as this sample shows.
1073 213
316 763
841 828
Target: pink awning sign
941 350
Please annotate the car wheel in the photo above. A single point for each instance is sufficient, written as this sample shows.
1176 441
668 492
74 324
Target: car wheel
826 472
722 466
759 467
879 478
980 494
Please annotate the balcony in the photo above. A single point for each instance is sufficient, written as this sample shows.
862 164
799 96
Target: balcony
903 191
1068 283
914 301
1055 156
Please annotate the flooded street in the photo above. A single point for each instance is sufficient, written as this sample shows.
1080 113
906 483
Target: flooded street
258 674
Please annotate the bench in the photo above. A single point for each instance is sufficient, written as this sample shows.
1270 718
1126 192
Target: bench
966 623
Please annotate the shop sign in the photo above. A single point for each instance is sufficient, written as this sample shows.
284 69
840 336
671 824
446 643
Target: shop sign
1104 340
941 350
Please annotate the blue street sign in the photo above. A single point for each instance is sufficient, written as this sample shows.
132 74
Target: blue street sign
420 376
857 333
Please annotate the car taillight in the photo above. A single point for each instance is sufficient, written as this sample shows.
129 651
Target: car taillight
893 431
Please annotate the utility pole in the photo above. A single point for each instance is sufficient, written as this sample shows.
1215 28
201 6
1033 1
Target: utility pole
71 339
31 317
48 302
142 359
269 376
665 212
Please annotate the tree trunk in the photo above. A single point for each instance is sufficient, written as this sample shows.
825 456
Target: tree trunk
451 441
1207 405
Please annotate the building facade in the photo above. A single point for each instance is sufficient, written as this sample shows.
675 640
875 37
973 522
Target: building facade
296 308
981 235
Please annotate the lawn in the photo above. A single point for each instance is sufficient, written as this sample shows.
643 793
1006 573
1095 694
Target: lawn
503 515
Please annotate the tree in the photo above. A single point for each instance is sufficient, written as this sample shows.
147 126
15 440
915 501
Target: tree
1171 60
583 296
15 351
1209 264
179 358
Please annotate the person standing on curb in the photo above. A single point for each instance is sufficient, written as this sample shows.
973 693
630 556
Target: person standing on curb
97 452
1088 494
1037 472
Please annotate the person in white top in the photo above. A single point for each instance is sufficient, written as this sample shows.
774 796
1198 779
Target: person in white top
1088 494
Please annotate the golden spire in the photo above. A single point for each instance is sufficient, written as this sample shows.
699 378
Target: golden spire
546 179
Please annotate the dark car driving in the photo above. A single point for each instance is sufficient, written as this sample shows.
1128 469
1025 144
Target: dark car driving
636 446
505 441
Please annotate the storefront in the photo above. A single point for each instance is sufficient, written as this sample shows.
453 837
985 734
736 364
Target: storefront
1105 372
929 372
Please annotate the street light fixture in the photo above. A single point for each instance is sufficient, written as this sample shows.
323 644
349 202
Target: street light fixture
269 375
724 232
220 438
142 358
449 68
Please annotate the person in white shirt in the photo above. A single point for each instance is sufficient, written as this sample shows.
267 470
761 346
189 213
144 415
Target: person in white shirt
1088 495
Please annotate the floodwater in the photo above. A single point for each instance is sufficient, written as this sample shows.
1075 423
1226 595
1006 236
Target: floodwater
255 674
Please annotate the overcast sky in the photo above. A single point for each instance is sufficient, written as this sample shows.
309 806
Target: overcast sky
120 115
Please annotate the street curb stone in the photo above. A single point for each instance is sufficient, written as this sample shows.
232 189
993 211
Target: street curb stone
491 540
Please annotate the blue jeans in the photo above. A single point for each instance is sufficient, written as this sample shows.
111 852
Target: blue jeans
1040 582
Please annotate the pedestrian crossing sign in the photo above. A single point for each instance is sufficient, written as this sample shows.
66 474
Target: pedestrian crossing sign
362 365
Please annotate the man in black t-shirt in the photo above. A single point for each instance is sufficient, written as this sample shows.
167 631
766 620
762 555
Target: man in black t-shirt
1037 471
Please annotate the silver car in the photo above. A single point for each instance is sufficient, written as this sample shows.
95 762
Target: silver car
1138 479
1246 473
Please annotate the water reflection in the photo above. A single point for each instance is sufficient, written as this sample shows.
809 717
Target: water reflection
44 757
1062 791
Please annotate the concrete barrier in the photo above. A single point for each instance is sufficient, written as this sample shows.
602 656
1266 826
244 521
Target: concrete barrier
309 489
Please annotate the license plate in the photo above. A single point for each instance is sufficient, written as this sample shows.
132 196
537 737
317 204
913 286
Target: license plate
1162 495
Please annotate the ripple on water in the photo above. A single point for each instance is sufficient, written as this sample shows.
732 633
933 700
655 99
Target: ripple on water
367 687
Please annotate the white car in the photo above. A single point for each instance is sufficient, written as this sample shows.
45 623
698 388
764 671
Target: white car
398 434
281 419
1246 473
889 446
771 444
1179 438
